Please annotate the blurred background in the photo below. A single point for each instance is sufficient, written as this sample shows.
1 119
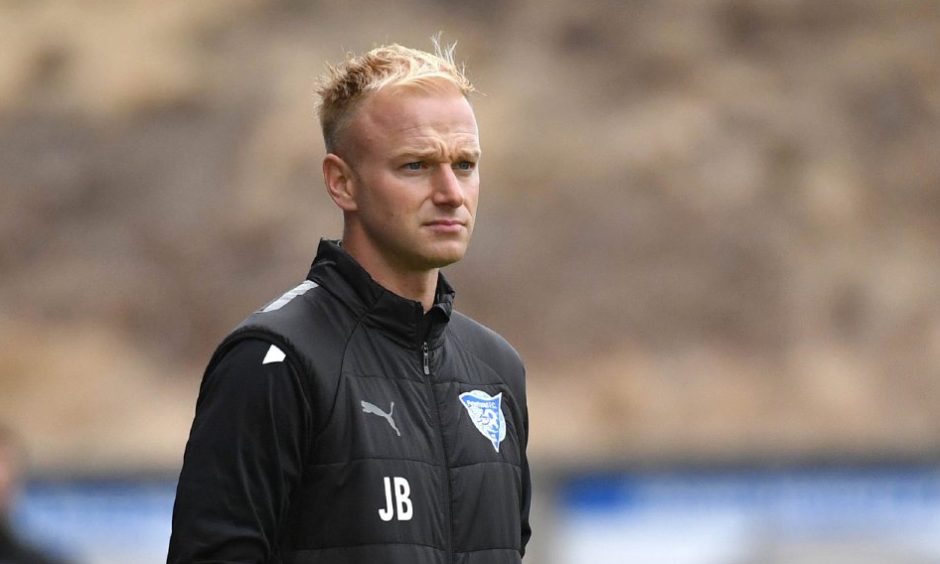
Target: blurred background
711 228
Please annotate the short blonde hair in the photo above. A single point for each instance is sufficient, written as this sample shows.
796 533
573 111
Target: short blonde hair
345 85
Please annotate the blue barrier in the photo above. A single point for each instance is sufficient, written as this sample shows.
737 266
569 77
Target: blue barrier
850 515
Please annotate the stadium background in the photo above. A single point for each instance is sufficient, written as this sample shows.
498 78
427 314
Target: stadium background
712 228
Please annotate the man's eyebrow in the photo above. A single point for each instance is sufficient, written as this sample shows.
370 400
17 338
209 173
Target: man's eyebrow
469 153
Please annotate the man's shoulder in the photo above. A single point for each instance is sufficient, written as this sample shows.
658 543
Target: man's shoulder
484 342
302 310
296 301
305 322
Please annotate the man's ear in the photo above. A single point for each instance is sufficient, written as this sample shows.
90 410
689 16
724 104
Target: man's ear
340 183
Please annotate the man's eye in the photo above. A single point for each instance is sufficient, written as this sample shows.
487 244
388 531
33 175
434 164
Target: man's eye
465 165
417 165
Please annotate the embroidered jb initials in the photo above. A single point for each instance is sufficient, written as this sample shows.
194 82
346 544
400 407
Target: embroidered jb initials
397 499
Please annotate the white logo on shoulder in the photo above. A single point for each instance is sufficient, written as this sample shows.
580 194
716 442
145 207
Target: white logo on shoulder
487 414
273 355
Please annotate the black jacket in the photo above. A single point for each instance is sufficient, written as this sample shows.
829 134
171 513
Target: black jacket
342 424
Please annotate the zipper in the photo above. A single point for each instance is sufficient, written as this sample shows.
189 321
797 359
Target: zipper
427 363
449 532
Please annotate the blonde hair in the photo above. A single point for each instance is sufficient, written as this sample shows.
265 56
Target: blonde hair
345 85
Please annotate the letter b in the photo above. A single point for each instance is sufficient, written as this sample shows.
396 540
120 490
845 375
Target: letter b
397 500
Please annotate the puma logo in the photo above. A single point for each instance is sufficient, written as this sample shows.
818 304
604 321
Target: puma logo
370 408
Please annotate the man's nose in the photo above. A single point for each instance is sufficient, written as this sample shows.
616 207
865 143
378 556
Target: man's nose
448 191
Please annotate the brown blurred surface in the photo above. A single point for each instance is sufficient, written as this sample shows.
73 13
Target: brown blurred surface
711 228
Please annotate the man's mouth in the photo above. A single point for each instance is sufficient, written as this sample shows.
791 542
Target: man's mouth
446 225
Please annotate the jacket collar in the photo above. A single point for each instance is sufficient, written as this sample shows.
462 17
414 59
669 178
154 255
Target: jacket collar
402 319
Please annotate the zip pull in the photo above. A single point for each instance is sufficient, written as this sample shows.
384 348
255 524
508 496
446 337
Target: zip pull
427 364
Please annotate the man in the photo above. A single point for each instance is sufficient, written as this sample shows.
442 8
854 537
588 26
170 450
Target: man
359 418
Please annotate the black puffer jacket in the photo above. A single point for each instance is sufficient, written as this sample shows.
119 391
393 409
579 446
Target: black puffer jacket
342 424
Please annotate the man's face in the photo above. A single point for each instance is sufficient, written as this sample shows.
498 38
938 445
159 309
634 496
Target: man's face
415 181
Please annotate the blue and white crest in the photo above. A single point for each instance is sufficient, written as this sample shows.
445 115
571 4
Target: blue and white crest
487 414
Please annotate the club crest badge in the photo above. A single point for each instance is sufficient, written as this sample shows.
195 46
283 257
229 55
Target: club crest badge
487 414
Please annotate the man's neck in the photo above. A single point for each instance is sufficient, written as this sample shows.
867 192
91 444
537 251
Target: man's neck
420 285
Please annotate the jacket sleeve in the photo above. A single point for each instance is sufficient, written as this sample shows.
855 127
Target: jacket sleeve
526 489
243 459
